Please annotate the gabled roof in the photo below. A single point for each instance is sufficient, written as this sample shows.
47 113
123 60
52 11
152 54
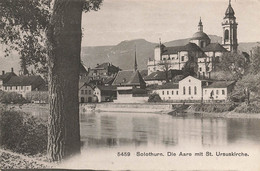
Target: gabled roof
105 65
169 86
128 78
7 76
214 47
190 47
34 81
220 84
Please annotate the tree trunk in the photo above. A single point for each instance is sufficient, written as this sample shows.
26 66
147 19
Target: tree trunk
64 46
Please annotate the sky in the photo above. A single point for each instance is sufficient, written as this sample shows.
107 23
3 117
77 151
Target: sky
120 20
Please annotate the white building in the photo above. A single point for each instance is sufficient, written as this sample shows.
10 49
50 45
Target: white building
86 94
218 90
24 84
193 89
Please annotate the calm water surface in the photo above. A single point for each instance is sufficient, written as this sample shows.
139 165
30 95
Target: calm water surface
106 134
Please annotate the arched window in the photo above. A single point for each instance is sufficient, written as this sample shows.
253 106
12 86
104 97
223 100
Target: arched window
189 90
226 34
184 90
195 90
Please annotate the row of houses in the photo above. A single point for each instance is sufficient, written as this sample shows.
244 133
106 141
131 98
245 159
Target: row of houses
134 86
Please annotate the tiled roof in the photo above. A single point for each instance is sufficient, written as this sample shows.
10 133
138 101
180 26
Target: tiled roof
191 47
220 84
34 81
214 47
128 78
169 86
106 88
161 75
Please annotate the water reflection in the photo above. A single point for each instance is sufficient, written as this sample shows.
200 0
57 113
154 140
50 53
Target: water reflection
115 129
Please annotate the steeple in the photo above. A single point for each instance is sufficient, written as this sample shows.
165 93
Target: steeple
135 66
200 26
229 26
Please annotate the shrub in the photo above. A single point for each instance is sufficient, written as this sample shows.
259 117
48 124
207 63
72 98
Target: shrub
11 97
213 107
37 96
154 98
22 133
253 107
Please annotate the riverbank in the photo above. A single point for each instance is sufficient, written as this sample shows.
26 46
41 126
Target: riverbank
155 108
11 160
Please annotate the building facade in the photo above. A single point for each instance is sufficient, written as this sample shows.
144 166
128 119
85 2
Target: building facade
200 50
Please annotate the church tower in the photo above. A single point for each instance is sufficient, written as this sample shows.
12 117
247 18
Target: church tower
229 26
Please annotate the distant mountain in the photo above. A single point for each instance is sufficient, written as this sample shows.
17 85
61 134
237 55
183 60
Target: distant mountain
121 55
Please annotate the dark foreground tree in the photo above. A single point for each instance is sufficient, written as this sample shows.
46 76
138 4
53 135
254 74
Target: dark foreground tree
62 23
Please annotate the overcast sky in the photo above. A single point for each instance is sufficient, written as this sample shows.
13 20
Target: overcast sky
119 20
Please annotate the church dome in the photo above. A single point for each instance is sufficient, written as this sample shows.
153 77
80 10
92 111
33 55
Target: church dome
200 36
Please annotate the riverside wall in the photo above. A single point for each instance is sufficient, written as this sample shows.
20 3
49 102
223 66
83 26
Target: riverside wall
124 107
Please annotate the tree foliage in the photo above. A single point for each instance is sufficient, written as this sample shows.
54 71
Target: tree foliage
234 64
23 25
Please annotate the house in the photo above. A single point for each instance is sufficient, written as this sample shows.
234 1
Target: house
24 84
105 69
218 91
105 93
6 77
86 93
168 91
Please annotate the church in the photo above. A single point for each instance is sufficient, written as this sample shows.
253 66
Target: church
199 50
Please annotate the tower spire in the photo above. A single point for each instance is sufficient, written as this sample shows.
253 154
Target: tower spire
200 26
135 66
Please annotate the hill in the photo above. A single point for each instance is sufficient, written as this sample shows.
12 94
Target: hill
121 55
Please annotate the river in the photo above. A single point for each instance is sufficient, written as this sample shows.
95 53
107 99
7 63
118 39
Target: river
162 142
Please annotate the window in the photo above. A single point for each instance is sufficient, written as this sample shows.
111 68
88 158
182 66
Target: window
200 69
226 35
189 90
167 92
195 90
5 88
21 87
27 88
205 91
184 90
86 91
223 92
82 91
16 88
177 92
162 92
10 87
216 92
182 58
89 92
172 93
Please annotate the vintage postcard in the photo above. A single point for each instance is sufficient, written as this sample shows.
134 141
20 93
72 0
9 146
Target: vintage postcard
130 84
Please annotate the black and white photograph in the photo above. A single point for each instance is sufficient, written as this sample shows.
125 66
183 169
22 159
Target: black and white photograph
130 85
